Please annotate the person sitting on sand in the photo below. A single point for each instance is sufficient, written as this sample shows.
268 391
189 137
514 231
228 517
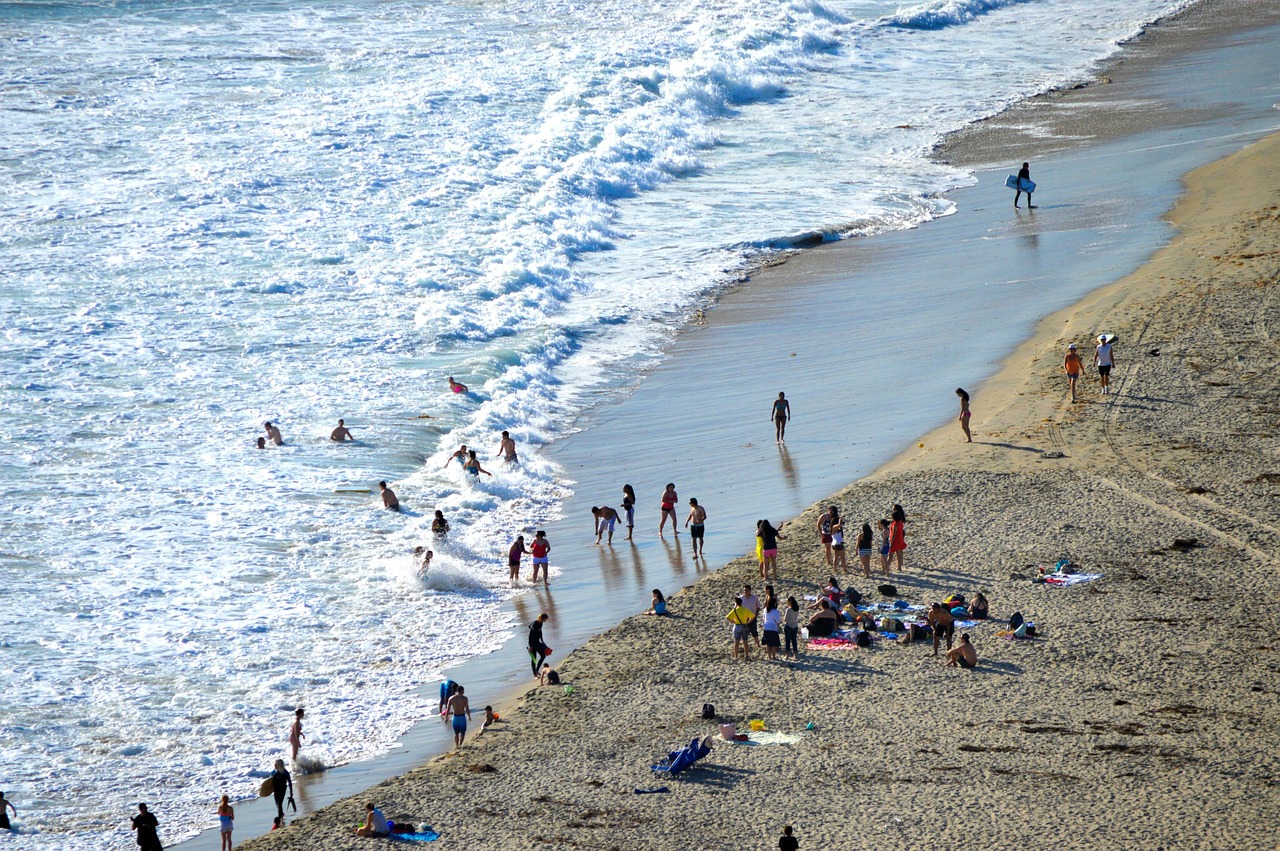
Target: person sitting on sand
978 607
490 718
457 386
740 616
963 655
915 632
341 433
375 823
943 624
548 676
273 433
823 623
389 500
833 591
659 605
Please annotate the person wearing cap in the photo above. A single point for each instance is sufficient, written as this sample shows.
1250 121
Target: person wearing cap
1071 366
1105 359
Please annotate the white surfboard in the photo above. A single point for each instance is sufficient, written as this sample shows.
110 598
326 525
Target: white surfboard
1026 186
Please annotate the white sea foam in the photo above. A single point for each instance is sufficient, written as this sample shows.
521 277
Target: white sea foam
225 213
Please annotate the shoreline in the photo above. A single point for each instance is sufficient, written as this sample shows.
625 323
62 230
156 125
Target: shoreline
1121 709
414 741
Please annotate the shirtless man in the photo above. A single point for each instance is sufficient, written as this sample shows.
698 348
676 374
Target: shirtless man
697 517
460 708
341 433
507 449
1071 366
605 518
964 655
389 500
460 456
273 433
943 623
781 413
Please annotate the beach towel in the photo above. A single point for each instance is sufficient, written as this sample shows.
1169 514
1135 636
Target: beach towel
768 737
1066 580
966 624
421 836
892 636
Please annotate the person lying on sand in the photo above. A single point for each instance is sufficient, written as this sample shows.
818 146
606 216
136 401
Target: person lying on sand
490 718
963 655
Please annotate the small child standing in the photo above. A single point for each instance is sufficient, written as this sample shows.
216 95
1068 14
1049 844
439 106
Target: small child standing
787 842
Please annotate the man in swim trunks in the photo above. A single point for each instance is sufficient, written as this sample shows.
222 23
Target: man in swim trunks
273 433
507 449
538 651
341 433
964 655
389 500
943 624
695 524
606 518
780 414
460 708
540 549
1104 358
1071 366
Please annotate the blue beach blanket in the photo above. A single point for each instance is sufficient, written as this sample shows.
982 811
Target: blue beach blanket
424 836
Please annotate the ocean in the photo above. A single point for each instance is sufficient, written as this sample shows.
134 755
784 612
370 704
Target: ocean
217 214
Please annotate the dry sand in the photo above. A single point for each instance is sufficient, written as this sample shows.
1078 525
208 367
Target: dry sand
1144 715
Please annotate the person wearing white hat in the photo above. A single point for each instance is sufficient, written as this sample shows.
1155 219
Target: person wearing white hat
1104 359
1071 366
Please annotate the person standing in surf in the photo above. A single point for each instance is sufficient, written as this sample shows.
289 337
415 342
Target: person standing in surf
1104 358
698 530
1024 173
517 550
341 434
507 449
780 414
629 508
295 734
965 413
5 806
460 708
540 549
669 500
226 821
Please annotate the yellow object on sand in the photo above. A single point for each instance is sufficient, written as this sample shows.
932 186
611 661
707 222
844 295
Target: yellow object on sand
756 725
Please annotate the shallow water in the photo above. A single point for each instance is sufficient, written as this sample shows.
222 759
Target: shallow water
221 214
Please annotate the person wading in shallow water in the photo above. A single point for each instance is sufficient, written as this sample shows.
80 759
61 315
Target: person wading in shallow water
780 414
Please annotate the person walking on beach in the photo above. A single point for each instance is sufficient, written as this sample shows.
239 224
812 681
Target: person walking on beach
538 651
517 550
605 518
698 530
740 616
964 655
629 508
389 500
965 413
273 433
540 549
791 628
341 434
295 734
1024 173
507 449
146 825
460 708
780 413
281 788
769 538
669 500
866 540
788 842
226 821
460 456
5 806
824 530
1104 358
1071 366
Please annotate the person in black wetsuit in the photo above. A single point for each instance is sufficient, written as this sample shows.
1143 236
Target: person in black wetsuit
145 823
537 647
281 787
1024 173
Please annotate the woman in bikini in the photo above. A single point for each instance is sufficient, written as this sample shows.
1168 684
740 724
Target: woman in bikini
669 500
964 413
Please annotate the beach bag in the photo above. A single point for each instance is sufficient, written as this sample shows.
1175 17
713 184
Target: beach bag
855 597
888 624
864 639
708 712
888 590
1031 630
1016 621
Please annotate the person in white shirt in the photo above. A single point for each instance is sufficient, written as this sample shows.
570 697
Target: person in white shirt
375 823
1104 358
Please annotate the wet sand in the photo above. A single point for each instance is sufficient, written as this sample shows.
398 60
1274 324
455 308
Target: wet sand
735 467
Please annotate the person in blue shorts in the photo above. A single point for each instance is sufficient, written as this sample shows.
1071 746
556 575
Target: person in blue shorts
460 708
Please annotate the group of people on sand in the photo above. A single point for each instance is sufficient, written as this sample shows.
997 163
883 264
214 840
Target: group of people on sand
830 528
764 624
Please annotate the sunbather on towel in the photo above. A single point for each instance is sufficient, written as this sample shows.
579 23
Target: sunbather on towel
964 655
823 623
978 607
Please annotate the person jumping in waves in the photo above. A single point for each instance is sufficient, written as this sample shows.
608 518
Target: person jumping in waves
780 414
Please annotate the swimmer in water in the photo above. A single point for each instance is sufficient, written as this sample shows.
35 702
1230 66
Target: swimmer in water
460 456
262 443
472 465
389 500
273 433
507 449
341 433
426 555
457 386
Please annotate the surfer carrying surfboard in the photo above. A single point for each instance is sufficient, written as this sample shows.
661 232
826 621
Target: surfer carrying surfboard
1024 174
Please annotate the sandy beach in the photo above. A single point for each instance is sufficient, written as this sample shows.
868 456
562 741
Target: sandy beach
1145 711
